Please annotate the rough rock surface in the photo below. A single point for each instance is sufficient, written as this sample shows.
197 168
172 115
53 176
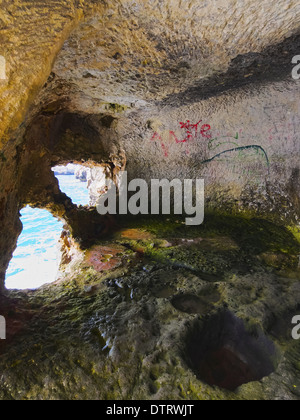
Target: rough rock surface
129 330
164 90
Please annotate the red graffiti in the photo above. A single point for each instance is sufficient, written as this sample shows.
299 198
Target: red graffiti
191 132
158 137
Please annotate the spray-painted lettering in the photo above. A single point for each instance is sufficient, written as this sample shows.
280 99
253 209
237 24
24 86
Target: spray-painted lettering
191 132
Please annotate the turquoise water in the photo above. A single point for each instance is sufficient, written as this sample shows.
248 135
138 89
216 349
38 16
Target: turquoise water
74 189
37 257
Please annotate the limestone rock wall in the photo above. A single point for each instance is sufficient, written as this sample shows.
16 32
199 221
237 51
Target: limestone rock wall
206 34
32 33
161 89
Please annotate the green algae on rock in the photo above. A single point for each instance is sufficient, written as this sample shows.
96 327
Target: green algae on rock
100 336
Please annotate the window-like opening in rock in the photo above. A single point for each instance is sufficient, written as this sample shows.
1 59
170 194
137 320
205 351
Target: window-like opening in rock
222 352
74 181
82 184
37 257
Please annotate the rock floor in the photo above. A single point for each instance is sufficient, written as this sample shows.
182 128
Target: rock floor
160 310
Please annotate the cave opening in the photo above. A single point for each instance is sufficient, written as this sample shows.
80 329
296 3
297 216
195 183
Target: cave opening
39 251
37 257
74 181
82 183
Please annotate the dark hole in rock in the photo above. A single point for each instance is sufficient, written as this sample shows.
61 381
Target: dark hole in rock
164 292
107 121
190 304
223 353
210 294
